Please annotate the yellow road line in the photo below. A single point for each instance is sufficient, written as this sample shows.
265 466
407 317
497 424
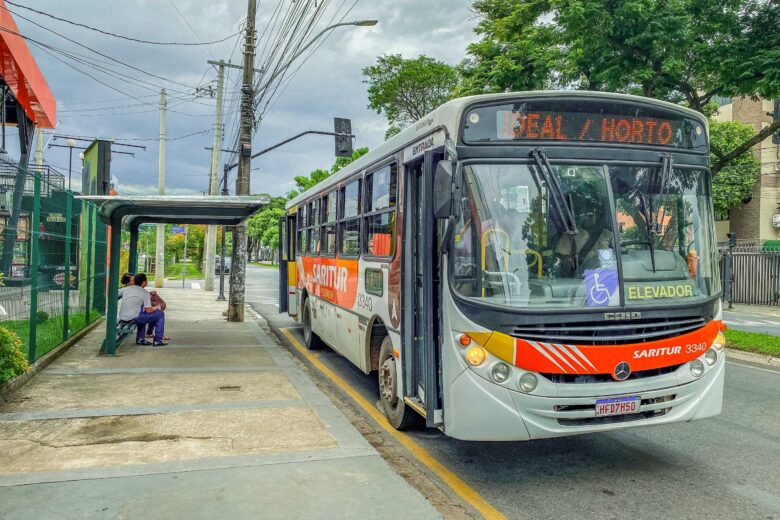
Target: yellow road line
462 489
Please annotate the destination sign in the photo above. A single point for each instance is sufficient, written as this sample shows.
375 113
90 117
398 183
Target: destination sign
585 121
584 127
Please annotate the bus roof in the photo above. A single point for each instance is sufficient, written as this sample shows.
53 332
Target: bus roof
448 116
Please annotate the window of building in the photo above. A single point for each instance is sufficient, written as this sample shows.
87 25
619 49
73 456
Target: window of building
379 218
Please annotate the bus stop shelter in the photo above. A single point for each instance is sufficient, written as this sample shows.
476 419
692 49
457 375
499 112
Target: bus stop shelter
130 212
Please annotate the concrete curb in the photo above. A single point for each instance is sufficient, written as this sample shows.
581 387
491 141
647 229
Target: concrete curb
752 357
14 384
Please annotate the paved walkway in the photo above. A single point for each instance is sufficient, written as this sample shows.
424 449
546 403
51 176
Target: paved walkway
753 318
219 424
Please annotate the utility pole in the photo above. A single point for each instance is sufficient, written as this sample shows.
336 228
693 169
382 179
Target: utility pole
238 267
211 231
159 265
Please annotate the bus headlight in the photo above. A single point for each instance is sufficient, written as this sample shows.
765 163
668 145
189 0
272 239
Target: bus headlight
720 341
697 368
711 357
528 382
500 372
476 355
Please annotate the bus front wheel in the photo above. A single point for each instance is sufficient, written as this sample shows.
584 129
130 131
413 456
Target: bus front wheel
313 342
396 411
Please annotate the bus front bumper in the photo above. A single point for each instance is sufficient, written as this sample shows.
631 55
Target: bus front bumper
478 409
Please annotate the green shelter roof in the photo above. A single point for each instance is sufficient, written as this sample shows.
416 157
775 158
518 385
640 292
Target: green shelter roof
218 210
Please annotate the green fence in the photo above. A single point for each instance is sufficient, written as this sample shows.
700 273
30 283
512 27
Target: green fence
55 273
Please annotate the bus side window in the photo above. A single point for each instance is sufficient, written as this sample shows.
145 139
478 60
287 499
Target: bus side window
303 243
314 227
328 233
349 219
379 219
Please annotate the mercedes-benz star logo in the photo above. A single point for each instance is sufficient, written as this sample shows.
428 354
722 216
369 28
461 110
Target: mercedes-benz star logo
622 371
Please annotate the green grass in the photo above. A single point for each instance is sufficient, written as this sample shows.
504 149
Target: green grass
49 333
173 272
757 342
263 264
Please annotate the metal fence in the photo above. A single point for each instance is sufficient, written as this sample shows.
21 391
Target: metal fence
756 277
54 273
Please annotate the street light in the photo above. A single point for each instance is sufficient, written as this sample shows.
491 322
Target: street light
70 143
358 23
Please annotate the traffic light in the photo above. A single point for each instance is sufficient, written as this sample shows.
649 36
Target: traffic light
343 127
776 117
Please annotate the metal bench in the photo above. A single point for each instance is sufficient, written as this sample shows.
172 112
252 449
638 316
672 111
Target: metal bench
124 328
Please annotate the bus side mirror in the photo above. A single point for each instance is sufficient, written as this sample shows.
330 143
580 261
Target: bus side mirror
442 190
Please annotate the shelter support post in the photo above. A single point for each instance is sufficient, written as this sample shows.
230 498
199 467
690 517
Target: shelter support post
35 252
89 275
112 305
133 261
66 265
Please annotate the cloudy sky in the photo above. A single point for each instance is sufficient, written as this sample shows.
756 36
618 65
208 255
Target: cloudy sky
327 85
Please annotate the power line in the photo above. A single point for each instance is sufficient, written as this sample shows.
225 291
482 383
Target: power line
149 42
156 138
193 29
114 89
137 69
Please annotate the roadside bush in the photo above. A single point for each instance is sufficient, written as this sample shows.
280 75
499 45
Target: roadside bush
12 359
41 317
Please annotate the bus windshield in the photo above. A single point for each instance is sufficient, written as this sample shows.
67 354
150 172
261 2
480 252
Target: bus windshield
516 244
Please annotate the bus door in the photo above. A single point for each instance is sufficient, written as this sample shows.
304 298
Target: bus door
421 272
288 270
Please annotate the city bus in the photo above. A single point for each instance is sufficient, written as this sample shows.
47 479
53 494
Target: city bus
520 266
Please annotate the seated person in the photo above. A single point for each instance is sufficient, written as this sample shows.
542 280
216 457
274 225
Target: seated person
137 307
157 301
127 280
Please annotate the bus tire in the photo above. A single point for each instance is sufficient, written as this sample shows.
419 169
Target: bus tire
310 338
396 411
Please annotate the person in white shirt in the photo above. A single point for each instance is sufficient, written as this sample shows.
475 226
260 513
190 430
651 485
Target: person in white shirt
137 307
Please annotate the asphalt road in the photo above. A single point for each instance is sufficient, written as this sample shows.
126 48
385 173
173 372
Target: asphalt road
726 467
752 322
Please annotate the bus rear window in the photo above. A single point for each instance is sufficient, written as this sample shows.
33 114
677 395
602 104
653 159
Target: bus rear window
580 120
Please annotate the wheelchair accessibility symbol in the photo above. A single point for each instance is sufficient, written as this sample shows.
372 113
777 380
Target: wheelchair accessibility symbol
601 287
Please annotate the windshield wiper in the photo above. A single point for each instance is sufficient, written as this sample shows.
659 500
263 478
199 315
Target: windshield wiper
562 203
655 220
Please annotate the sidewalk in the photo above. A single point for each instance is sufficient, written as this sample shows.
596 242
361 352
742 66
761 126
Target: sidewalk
760 310
219 424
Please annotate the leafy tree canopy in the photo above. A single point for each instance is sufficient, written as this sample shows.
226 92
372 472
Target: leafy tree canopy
405 90
264 225
734 183
685 51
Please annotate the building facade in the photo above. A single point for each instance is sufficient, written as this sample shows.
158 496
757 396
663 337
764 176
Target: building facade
753 220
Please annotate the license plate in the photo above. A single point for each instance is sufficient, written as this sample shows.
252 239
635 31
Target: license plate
617 406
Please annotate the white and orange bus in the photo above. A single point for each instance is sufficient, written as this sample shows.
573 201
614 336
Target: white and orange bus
520 266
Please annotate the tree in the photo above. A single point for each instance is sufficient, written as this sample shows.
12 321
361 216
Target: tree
341 162
174 244
734 183
304 182
263 226
684 51
405 90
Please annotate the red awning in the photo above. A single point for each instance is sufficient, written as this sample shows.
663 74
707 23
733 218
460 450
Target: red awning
23 76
